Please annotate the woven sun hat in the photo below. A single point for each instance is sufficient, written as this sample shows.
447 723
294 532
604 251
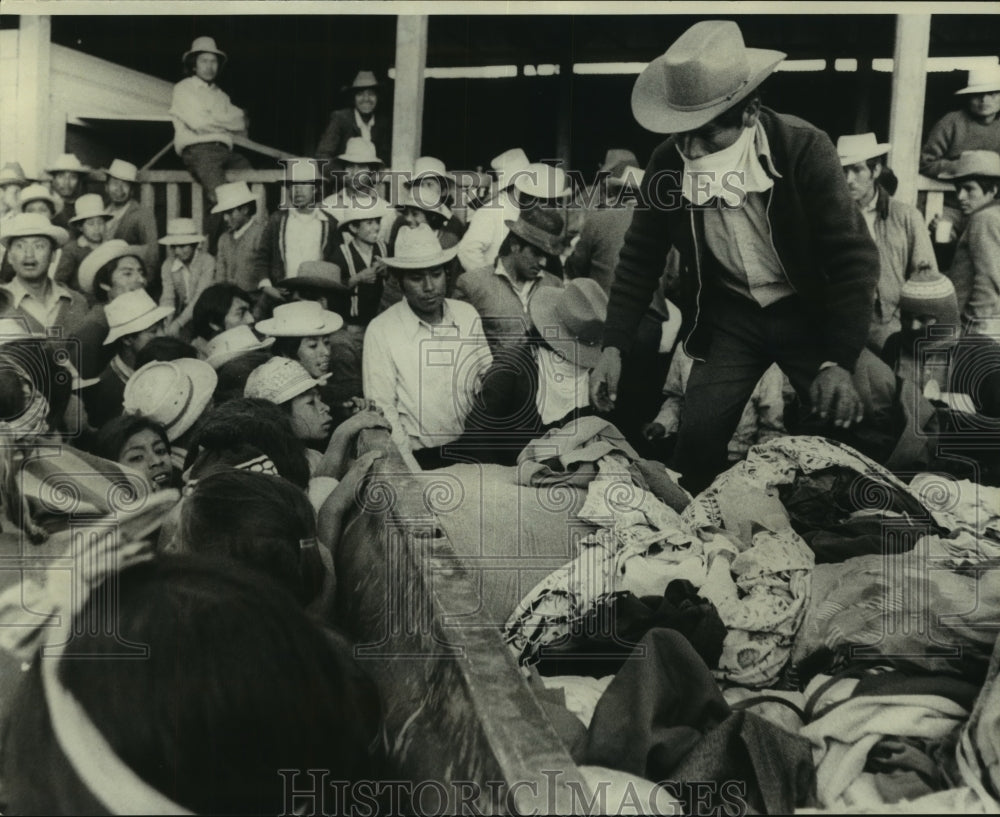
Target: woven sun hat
25 225
120 169
101 255
543 182
87 206
203 45
301 319
172 393
860 147
13 173
279 380
132 312
68 162
508 165
419 248
542 227
571 319
982 81
362 80
705 72
232 195
429 166
409 198
302 171
181 231
975 163
39 192
360 152
232 343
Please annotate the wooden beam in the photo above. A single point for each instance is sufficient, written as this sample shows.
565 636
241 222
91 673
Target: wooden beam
34 91
906 112
408 104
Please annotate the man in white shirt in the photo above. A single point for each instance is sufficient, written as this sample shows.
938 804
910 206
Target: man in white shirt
424 356
205 121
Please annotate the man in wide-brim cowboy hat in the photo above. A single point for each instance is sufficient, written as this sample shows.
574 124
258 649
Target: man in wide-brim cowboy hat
776 262
363 119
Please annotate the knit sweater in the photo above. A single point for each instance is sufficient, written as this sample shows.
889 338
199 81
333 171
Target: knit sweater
269 262
818 232
975 269
953 133
235 256
203 113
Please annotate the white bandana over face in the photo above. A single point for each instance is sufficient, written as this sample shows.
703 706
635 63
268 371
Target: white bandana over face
727 174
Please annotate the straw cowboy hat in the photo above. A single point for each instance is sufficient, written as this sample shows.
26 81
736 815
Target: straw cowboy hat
120 169
181 231
975 163
571 319
132 312
419 248
363 79
302 171
204 45
39 192
982 81
507 165
232 343
13 173
429 166
859 148
543 182
232 195
317 274
361 209
409 198
541 228
360 152
25 225
101 255
90 205
706 71
172 393
300 319
68 163
279 380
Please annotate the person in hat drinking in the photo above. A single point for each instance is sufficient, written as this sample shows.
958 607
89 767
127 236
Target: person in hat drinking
898 229
424 355
205 121
89 220
777 265
187 271
360 121
975 268
238 246
502 296
69 176
130 221
295 233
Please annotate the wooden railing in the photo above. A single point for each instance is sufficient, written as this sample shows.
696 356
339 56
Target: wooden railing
930 192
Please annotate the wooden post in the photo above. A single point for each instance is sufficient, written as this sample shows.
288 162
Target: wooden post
564 128
34 91
408 104
906 113
863 83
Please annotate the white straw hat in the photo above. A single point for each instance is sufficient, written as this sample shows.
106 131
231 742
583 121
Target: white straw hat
120 169
419 248
232 195
232 343
300 319
507 164
172 393
181 231
132 312
279 380
204 44
360 152
25 225
982 81
859 148
101 255
543 181
87 206
67 163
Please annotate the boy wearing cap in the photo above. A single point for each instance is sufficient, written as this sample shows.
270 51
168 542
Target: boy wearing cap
89 220
358 121
975 267
778 268
134 319
187 272
205 121
130 221
424 356
30 241
358 259
502 295
239 245
898 229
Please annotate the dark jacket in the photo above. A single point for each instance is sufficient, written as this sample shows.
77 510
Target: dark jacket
269 259
138 227
342 127
819 234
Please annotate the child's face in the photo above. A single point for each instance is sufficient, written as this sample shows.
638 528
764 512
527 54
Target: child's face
184 252
93 229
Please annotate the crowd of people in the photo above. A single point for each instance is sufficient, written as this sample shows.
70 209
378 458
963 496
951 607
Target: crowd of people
237 361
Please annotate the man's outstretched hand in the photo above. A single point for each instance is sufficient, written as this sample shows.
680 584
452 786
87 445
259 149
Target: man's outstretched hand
604 380
834 398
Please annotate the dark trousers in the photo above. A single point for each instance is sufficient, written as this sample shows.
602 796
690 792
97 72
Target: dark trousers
745 340
640 389
208 163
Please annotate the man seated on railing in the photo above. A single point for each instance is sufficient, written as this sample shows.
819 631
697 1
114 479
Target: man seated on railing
903 242
205 121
